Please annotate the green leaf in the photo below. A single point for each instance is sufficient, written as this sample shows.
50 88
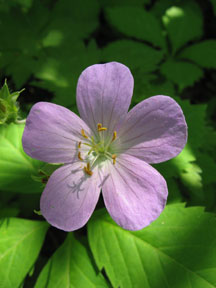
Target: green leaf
60 70
177 250
136 22
149 85
16 167
20 244
203 53
183 74
183 24
133 54
70 266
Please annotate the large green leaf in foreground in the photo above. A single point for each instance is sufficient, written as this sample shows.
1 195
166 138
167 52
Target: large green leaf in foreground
20 243
16 168
70 266
178 250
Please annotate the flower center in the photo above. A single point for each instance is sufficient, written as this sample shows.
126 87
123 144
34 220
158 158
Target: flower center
99 149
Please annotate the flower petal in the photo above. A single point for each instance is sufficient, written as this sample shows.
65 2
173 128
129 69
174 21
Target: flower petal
134 192
70 197
104 94
154 130
52 133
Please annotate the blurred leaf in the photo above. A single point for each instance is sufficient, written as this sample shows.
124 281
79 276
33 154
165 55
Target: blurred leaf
203 53
119 3
70 266
190 173
136 22
20 243
161 6
133 54
183 24
61 68
9 212
16 168
177 250
183 74
74 19
195 118
147 85
213 2
174 195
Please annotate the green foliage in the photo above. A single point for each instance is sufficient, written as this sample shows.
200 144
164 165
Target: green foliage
20 244
70 266
133 54
176 250
183 74
136 22
183 24
213 2
16 168
203 53
46 45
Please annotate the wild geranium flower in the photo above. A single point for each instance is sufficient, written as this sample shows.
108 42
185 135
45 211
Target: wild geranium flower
107 149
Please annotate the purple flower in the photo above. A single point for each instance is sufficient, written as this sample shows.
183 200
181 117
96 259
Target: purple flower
107 148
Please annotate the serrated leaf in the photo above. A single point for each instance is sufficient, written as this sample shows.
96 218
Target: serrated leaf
203 53
183 74
175 251
16 167
70 266
136 22
133 54
20 243
183 24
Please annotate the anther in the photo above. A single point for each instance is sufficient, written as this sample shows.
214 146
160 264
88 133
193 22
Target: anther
89 172
88 166
83 134
79 144
100 127
87 169
114 136
114 158
79 156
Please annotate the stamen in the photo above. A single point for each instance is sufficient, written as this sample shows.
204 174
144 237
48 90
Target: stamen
87 169
79 156
83 134
88 166
114 136
79 144
89 172
100 127
114 158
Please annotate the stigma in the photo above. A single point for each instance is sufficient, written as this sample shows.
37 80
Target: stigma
99 149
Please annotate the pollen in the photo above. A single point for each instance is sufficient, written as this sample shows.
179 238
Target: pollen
79 156
114 136
83 134
79 144
100 127
114 158
87 169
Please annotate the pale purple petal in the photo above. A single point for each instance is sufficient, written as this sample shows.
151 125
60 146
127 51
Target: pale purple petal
154 130
134 192
52 133
104 94
70 197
